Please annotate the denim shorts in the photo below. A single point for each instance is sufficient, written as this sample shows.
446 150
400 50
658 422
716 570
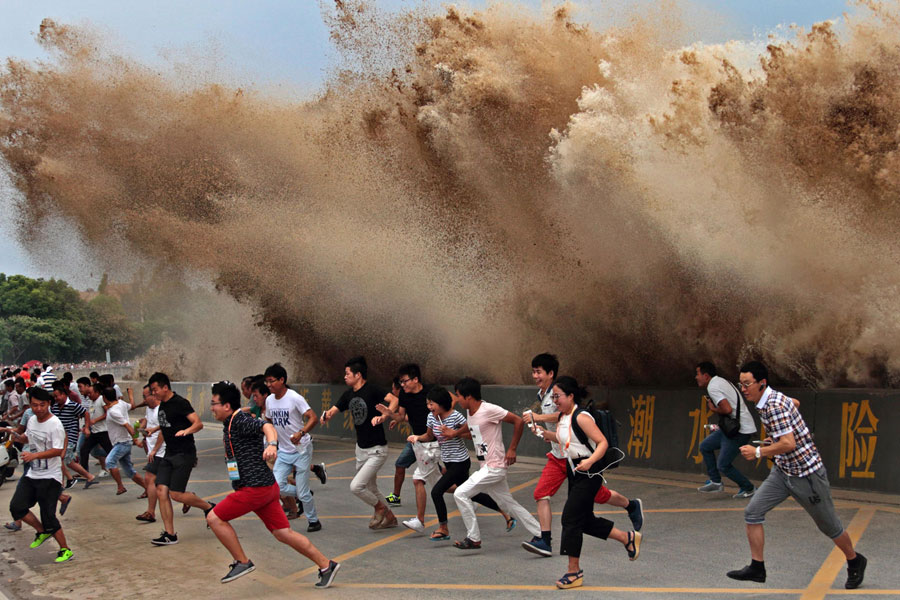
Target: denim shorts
121 454
407 457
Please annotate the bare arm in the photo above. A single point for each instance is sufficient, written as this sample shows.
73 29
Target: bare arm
519 427
196 425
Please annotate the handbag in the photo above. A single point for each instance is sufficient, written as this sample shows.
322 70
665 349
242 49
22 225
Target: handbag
728 425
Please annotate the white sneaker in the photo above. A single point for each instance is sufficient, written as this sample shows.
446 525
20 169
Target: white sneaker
415 524
104 474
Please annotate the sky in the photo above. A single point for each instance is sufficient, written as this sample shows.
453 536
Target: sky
274 44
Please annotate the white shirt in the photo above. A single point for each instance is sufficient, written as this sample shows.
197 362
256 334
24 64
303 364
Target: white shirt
286 414
569 443
548 407
44 436
116 417
719 389
153 421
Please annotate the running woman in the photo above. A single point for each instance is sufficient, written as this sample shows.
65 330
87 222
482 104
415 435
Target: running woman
584 446
371 445
254 485
484 423
445 426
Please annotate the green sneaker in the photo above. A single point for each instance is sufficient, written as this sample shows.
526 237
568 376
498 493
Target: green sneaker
393 500
40 538
64 555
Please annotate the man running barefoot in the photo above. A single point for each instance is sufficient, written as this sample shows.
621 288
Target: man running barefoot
43 483
254 485
178 423
371 445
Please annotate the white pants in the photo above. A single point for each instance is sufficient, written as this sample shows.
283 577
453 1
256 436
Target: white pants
491 481
428 455
368 462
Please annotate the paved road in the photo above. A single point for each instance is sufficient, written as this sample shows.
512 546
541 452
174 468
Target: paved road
690 541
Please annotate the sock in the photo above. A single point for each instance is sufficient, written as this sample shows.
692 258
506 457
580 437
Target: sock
854 562
758 565
545 535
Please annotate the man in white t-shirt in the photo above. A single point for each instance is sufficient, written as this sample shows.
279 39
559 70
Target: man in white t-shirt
42 484
723 398
150 429
122 437
16 401
286 409
484 423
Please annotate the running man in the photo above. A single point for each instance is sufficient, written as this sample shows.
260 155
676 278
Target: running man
42 484
178 423
69 413
254 485
483 422
96 434
371 445
150 426
410 406
286 410
544 369
122 438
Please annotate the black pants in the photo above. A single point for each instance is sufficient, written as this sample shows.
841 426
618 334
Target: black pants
456 474
578 514
95 439
44 493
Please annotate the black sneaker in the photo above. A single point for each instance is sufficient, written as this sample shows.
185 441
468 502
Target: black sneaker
319 471
314 526
326 577
70 483
855 575
749 573
637 514
165 539
238 569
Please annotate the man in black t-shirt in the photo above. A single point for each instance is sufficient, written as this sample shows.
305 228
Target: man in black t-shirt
371 445
255 486
177 423
410 406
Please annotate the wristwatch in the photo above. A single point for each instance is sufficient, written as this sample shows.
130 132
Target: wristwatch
758 448
275 443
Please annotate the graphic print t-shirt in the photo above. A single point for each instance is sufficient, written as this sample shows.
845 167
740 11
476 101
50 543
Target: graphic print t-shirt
488 435
44 436
416 409
286 414
361 405
244 436
173 417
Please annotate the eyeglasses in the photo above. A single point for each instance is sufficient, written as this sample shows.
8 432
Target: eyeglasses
404 381
555 397
744 384
270 380
215 404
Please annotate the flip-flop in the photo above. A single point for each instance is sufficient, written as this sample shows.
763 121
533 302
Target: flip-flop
439 537
142 496
146 517
511 524
185 508
120 492
88 484
64 506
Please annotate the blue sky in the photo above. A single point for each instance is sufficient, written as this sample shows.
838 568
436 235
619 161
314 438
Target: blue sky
280 44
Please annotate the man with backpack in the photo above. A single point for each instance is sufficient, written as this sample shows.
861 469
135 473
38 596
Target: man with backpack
544 369
735 428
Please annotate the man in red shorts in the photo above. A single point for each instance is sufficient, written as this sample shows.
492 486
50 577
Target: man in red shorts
544 368
249 443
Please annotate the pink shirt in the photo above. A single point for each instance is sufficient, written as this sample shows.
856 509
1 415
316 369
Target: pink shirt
487 434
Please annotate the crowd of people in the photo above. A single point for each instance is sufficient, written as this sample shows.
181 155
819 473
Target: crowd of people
60 424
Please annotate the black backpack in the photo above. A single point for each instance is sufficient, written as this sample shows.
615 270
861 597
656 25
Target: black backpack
610 430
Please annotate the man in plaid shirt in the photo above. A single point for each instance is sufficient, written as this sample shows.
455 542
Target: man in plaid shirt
798 472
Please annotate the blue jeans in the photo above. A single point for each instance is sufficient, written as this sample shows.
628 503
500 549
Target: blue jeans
284 465
121 454
728 449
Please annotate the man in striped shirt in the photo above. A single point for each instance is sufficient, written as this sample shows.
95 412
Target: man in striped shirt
798 472
69 413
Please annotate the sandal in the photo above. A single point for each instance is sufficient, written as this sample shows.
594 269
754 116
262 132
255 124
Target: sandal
467 544
439 536
120 492
571 580
64 506
511 523
293 515
633 547
185 508
142 496
146 517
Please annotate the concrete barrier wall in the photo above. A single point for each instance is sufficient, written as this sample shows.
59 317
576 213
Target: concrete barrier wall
857 431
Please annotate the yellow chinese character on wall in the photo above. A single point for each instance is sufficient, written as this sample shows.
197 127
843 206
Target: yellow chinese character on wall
405 430
348 420
326 402
700 416
189 396
640 440
859 434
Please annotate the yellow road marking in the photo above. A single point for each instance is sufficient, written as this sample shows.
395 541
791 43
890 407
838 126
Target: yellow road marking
821 581
388 540
587 588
